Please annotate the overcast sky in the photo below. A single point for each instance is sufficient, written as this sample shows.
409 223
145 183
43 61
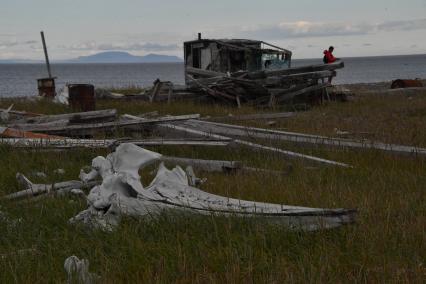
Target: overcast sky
82 27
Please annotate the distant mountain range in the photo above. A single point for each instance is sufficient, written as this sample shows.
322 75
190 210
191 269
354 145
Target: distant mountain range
109 57
125 57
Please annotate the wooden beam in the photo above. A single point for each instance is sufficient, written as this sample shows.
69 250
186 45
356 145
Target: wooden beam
191 129
255 116
106 125
301 138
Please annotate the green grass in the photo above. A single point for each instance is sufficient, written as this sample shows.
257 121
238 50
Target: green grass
387 244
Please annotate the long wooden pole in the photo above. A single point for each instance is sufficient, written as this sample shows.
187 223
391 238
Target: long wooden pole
45 54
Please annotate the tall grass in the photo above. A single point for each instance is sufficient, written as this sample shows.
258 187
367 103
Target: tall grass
387 244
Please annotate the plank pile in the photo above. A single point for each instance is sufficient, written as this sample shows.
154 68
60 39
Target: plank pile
264 88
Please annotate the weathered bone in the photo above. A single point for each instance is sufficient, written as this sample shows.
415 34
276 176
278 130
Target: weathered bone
170 191
32 189
78 271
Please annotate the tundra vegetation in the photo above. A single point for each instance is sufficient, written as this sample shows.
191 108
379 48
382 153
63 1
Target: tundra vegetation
387 244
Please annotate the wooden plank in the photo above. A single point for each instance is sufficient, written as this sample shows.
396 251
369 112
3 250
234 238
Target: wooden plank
203 73
210 91
301 138
20 113
16 133
77 117
197 131
286 96
177 142
62 143
296 70
255 116
205 165
278 80
106 125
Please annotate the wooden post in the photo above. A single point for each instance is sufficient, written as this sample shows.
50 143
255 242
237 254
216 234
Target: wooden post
45 54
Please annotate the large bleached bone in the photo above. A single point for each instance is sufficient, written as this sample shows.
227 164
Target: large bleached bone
121 192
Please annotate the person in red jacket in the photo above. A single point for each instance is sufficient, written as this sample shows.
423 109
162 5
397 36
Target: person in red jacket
329 58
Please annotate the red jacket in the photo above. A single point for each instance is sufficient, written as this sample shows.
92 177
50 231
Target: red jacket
330 57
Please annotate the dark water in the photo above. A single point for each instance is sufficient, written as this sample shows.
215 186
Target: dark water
20 79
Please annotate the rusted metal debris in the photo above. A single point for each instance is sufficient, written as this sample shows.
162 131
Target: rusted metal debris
399 83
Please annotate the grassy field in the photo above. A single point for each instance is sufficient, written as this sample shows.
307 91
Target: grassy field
387 244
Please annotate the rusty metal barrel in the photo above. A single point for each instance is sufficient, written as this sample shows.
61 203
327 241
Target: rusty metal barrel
46 87
397 84
82 97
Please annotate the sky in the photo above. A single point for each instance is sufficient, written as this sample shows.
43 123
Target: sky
82 27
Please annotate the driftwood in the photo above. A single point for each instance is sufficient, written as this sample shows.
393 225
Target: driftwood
300 138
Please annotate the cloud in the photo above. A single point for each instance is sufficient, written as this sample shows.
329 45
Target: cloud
303 29
129 46
9 44
402 25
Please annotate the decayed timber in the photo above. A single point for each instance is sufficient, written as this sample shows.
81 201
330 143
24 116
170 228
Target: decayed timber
63 143
220 166
289 154
20 113
16 133
203 73
205 165
300 138
277 80
290 95
296 70
255 116
66 143
78 117
106 125
178 142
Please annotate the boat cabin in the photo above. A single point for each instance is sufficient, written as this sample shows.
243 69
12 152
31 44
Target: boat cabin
234 55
